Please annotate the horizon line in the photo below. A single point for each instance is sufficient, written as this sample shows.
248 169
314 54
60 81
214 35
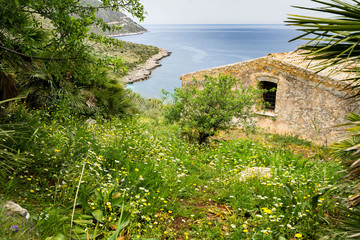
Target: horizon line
212 23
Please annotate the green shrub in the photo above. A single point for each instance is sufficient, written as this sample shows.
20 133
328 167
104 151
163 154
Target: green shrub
204 107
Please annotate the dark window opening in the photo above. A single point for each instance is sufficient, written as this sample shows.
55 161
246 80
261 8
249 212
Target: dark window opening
270 95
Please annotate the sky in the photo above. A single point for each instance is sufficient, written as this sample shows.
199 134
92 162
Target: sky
221 11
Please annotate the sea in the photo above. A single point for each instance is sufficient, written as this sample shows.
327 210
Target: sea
197 47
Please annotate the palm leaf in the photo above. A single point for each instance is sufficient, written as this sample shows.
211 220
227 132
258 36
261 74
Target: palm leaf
349 149
332 40
335 42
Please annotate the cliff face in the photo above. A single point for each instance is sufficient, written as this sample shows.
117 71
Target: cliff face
117 18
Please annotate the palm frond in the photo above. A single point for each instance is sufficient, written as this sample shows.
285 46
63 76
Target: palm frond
332 40
351 224
349 150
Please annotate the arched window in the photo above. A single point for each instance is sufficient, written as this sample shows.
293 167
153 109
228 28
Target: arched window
269 95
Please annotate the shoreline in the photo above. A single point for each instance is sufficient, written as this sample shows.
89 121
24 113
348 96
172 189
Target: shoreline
143 71
126 34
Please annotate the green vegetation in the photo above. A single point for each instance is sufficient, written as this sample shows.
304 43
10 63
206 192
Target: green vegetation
77 157
135 178
203 108
131 54
169 187
53 60
335 42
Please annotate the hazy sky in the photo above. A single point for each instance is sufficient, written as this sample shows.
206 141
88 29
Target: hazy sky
220 11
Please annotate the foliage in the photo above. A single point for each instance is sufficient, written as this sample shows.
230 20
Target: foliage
7 225
204 107
347 149
140 179
287 140
132 54
170 188
11 159
350 223
45 63
335 41
148 107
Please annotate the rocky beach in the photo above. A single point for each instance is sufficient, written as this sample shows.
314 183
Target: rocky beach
143 71
125 34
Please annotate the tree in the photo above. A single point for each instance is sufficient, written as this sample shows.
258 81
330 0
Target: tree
45 48
336 42
70 21
202 108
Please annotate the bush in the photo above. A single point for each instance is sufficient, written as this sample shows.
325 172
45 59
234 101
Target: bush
203 108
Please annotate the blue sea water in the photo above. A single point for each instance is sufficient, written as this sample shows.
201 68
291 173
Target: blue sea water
197 47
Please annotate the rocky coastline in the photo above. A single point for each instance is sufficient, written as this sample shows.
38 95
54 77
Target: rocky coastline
126 34
143 71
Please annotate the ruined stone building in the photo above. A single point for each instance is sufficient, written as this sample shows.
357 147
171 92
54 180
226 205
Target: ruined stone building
303 103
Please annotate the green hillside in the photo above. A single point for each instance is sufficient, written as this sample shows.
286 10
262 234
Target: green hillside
83 158
132 54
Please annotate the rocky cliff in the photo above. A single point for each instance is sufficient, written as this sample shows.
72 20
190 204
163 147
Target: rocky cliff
117 18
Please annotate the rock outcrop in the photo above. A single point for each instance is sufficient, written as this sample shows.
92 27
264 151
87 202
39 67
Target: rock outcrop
116 18
143 71
12 207
257 172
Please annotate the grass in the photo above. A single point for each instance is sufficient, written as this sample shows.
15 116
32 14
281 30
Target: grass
171 189
299 146
141 170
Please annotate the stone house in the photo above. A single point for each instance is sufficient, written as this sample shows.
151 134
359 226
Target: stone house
302 103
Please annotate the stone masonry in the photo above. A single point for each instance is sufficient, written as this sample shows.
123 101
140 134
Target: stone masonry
308 104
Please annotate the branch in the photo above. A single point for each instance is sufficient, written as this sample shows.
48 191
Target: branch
33 57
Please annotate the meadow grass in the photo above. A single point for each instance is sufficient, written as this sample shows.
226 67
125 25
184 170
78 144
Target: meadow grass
172 189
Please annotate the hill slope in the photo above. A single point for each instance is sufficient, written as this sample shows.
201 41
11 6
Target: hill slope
118 18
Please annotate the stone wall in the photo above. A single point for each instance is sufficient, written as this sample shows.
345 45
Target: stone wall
308 105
